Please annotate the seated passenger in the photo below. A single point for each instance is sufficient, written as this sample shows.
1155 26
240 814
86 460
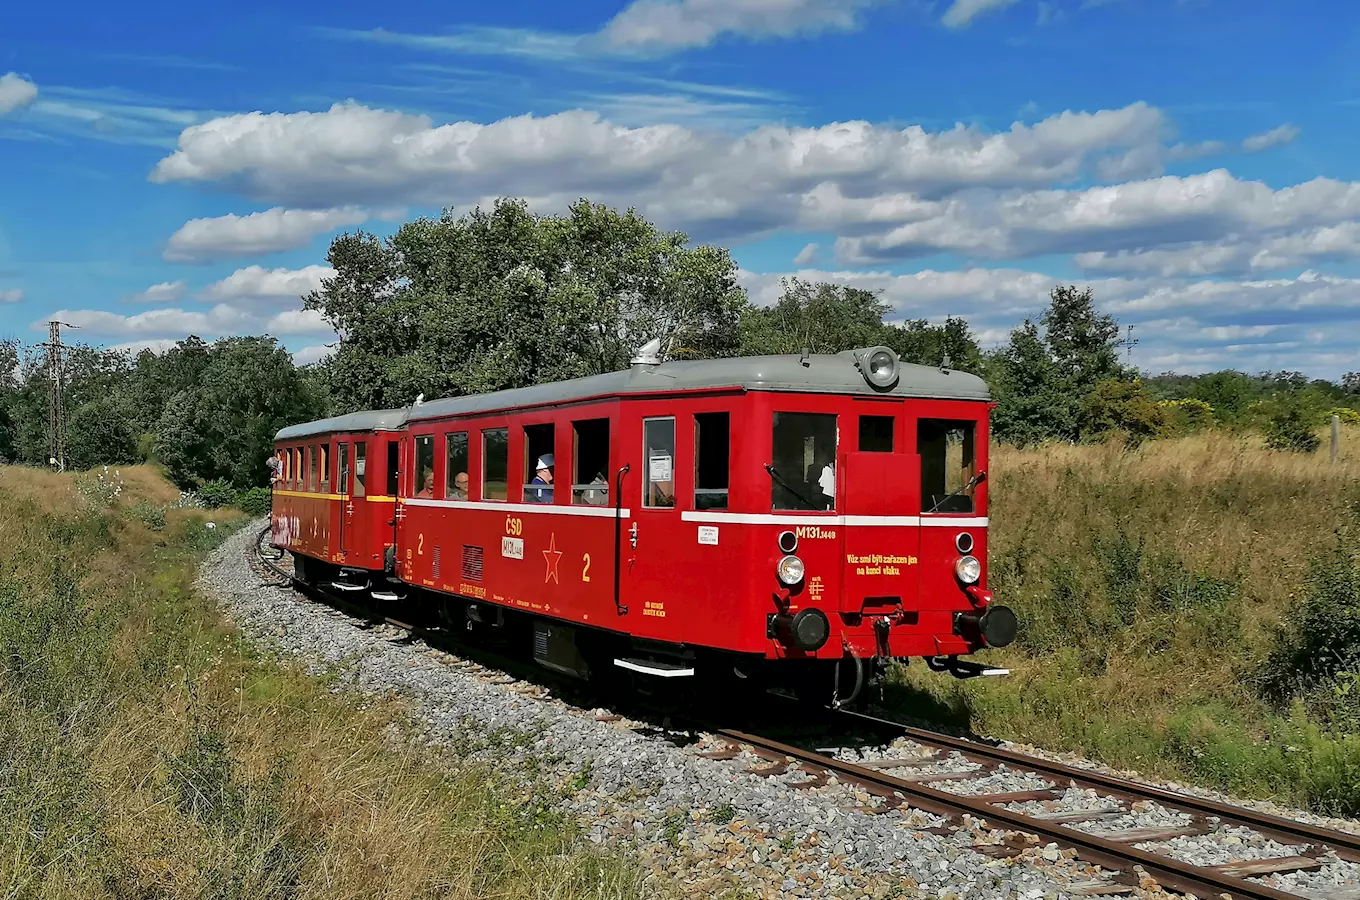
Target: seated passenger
540 489
460 486
597 492
426 479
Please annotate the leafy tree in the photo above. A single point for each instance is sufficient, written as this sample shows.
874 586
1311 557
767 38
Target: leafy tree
1290 428
917 341
1084 343
1227 392
223 427
505 298
101 431
1032 404
1350 383
1122 407
823 318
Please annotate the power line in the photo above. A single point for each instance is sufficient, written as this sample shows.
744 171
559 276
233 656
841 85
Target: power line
56 399
1129 342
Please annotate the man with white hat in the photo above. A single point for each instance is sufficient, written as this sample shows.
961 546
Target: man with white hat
541 490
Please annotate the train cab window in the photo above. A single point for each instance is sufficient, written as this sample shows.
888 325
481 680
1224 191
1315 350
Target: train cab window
712 444
325 454
456 465
495 464
590 462
658 437
424 465
540 468
804 451
311 468
876 434
342 469
393 468
360 451
948 463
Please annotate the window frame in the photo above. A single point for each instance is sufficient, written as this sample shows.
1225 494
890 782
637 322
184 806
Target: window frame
450 471
582 487
801 475
324 467
647 463
486 457
418 470
892 432
342 468
971 428
726 492
360 455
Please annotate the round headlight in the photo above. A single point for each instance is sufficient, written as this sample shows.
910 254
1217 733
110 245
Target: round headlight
790 570
968 569
880 367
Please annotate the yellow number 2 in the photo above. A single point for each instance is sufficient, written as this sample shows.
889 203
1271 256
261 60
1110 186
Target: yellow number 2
420 545
585 574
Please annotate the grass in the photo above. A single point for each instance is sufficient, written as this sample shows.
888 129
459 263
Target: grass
1156 588
145 751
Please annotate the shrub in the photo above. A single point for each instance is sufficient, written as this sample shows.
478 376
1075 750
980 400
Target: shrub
1122 407
216 494
1347 415
1187 414
149 514
255 501
1289 429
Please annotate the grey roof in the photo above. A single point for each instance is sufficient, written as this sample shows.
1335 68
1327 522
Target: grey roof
379 420
823 374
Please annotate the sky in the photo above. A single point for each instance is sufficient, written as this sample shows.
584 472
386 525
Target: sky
168 169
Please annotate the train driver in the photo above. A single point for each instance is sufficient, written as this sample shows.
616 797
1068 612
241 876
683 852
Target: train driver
541 490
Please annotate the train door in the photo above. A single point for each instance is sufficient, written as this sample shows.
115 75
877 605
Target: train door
342 487
648 544
882 521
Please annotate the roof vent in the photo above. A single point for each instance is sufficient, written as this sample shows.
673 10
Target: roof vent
649 354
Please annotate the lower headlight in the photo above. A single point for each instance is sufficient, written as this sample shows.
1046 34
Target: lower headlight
790 570
968 569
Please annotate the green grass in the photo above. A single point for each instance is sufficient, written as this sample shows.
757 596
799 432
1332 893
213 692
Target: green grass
1189 609
147 751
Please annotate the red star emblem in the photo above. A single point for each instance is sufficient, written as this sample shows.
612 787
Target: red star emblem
552 556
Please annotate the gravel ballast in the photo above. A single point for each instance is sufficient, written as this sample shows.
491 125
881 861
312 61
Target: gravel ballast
702 826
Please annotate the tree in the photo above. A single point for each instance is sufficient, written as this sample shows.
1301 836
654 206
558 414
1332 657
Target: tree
1124 408
223 427
823 318
1032 405
505 298
102 431
1084 343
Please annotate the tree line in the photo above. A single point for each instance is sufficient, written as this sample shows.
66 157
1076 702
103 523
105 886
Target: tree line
504 298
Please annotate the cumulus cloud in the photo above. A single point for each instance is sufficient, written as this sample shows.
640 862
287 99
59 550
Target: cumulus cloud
961 13
165 292
256 283
674 24
298 321
1272 138
807 256
312 354
1234 256
15 92
11 295
272 231
221 319
155 345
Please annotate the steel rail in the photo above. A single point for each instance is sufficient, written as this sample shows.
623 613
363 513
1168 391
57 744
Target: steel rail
1112 855
1346 846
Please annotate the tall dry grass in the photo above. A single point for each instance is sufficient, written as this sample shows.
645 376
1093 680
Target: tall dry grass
144 751
1151 585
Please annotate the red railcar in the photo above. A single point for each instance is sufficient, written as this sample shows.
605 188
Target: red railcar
779 513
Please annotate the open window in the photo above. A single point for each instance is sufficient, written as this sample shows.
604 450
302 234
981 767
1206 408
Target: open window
325 452
804 451
948 464
342 469
359 453
311 468
712 450
424 466
590 462
876 434
393 468
299 473
495 463
658 437
456 465
540 469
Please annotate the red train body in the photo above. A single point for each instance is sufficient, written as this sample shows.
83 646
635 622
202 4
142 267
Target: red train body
762 513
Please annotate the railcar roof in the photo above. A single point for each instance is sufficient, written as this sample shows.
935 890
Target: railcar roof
822 374
377 420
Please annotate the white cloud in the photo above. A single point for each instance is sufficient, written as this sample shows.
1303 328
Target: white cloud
221 319
1284 134
352 154
1240 255
272 231
312 354
676 24
155 345
261 284
165 292
961 13
298 321
11 295
15 92
807 256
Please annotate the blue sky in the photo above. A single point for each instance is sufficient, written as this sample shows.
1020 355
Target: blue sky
171 170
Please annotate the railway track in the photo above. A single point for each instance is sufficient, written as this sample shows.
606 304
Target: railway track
911 782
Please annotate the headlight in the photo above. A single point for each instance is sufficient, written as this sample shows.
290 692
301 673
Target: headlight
968 569
790 570
879 366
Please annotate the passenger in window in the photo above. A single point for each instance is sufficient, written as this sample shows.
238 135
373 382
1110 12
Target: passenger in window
460 486
597 492
541 490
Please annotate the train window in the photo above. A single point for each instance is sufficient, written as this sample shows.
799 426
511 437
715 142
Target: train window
456 465
712 432
298 472
424 465
287 467
342 469
311 468
539 465
658 437
590 462
393 468
495 463
325 453
948 461
360 450
876 434
804 475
